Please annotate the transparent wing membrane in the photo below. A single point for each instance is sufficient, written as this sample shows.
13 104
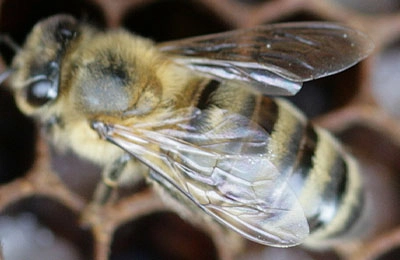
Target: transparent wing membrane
225 173
274 59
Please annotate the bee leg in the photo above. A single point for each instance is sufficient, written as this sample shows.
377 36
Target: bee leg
92 216
110 180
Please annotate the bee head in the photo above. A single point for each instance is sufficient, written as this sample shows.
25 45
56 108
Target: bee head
102 73
36 67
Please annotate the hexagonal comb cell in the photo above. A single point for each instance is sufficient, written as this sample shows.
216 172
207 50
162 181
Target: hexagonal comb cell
352 104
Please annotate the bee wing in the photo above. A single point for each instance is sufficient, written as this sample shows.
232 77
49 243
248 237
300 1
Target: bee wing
225 171
274 59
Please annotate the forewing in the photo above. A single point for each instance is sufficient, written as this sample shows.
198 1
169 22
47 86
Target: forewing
275 59
225 171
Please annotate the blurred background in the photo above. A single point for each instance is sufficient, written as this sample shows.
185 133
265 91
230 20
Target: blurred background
43 191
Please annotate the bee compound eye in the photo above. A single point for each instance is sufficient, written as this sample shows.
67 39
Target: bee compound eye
65 34
40 92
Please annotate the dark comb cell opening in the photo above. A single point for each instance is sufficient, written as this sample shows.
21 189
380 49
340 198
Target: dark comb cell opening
82 176
161 235
39 215
379 163
78 175
172 19
372 144
17 140
323 95
394 253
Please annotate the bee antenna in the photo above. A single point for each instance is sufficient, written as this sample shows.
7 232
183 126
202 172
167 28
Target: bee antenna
6 39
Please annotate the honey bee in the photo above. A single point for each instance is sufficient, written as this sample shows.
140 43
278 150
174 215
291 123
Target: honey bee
202 118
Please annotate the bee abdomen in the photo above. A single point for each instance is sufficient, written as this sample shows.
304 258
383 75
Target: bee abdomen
333 178
323 176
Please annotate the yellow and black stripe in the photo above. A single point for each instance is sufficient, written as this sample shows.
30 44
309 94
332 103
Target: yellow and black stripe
324 178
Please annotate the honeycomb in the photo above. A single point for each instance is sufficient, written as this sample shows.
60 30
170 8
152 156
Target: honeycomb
361 106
